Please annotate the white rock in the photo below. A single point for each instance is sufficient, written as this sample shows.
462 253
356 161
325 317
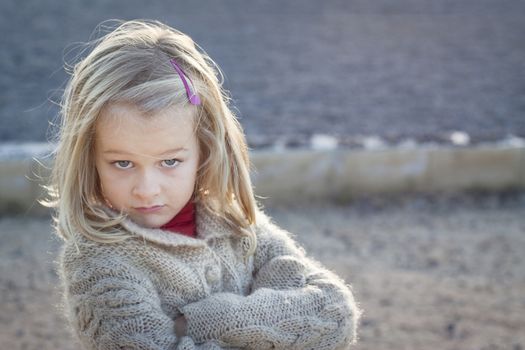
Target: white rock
322 142
459 138
373 142
407 144
513 141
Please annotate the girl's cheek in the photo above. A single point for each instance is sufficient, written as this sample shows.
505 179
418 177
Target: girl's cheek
114 179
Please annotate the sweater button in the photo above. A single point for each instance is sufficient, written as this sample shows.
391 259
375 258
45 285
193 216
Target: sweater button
212 274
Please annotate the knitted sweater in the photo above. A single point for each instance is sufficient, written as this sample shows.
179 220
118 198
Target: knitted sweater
127 295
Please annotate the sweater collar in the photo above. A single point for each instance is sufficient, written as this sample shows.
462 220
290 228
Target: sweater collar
209 226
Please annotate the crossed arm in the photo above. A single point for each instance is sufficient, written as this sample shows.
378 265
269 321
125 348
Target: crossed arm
294 304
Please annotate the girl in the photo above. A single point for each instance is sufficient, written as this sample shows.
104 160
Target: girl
165 247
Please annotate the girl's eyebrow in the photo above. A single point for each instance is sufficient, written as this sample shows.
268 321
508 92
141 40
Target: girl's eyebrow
170 151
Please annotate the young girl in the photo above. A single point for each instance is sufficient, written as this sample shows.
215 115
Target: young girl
165 247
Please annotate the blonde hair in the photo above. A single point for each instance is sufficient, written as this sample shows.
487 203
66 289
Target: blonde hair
132 63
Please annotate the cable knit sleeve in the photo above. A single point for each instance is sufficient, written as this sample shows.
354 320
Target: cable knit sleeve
112 305
295 303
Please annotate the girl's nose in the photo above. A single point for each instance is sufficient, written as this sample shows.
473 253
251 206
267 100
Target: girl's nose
147 186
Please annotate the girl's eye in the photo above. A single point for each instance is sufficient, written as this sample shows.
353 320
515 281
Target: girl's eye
170 163
122 164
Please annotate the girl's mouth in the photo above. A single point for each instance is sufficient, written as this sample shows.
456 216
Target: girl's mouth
151 209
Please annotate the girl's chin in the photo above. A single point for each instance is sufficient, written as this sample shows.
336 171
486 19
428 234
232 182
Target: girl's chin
149 222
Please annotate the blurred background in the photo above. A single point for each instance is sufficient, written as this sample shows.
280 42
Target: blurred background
396 69
432 270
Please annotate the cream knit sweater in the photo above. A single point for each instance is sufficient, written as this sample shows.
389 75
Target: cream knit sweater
127 295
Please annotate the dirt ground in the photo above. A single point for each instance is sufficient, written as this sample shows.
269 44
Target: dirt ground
429 272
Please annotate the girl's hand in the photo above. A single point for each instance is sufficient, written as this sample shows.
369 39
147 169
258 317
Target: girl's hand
180 326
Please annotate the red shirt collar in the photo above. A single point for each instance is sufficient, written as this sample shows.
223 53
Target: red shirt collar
184 221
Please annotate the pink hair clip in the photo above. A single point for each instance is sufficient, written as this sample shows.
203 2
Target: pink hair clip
192 97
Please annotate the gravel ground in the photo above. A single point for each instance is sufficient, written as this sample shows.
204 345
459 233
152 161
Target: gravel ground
295 68
430 272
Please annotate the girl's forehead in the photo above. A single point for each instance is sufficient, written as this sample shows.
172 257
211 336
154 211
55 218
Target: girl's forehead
125 127
125 110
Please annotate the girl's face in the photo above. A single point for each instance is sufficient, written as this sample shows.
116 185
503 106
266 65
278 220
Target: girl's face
147 165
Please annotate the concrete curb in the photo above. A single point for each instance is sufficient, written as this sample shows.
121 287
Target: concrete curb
301 175
343 174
